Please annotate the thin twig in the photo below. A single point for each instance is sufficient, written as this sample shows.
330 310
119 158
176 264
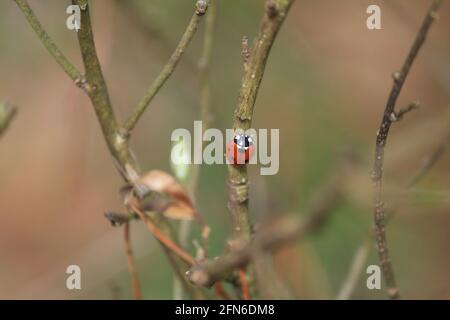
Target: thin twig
356 269
398 115
131 263
169 68
7 113
118 219
382 135
166 241
60 58
430 161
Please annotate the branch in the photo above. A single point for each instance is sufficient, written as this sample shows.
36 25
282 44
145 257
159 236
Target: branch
274 15
94 85
131 263
118 219
7 113
362 253
255 60
271 236
382 135
200 9
60 58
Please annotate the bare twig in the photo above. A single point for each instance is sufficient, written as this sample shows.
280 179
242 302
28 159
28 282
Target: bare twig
200 9
131 263
165 240
60 58
398 115
382 135
7 113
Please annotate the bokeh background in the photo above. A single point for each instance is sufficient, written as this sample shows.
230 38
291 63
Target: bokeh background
325 88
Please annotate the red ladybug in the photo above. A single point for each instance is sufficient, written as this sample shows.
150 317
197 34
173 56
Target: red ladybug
240 150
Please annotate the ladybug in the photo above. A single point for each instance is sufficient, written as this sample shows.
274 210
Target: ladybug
241 149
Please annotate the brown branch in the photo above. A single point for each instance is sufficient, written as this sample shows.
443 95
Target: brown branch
131 263
200 9
382 135
7 113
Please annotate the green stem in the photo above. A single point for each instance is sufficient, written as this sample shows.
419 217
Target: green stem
205 106
60 58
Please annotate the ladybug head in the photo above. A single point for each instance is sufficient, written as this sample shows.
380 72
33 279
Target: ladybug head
243 141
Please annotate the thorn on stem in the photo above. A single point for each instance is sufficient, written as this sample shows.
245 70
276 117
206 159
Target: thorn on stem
397 116
396 76
201 7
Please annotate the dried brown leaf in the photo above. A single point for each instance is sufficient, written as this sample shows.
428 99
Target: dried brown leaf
159 191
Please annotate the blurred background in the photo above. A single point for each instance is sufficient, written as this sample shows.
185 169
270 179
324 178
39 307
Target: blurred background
325 88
